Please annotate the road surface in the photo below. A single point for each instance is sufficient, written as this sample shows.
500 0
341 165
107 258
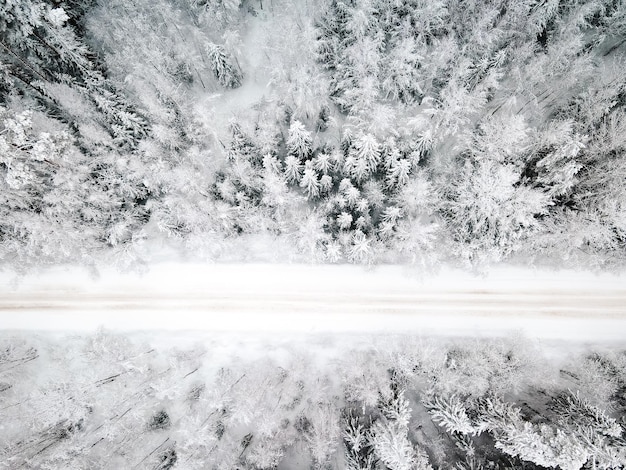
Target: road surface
284 298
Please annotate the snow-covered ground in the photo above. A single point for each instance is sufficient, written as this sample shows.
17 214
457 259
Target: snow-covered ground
270 299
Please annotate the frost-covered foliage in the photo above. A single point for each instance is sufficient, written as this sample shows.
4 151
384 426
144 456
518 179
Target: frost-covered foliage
227 73
110 401
57 203
549 446
416 131
389 437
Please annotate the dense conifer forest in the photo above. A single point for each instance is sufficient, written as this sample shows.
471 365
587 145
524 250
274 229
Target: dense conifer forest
417 132
111 401
364 131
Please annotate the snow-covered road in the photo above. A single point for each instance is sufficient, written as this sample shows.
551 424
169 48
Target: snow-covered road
286 298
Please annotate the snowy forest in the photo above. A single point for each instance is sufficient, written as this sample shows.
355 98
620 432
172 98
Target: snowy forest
108 401
421 134
361 131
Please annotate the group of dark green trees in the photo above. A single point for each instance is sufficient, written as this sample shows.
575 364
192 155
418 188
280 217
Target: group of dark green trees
359 131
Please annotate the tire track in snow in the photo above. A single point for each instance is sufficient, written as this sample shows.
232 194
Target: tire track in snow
255 298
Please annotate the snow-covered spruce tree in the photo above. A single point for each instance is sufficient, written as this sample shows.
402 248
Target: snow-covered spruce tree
538 443
398 173
56 203
254 193
161 63
373 53
403 81
360 247
389 437
332 32
350 54
224 66
299 141
216 14
541 444
356 439
352 193
489 213
322 433
44 54
367 151
555 160
450 413
601 436
241 183
546 445
580 413
310 182
125 125
293 169
597 120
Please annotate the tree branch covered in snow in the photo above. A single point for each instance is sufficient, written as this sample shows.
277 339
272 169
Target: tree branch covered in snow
422 132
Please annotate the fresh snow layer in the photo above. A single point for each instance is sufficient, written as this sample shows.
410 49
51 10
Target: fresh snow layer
313 299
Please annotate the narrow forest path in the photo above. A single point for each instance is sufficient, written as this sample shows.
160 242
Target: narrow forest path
296 298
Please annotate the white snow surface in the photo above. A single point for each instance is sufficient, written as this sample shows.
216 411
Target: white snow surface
270 298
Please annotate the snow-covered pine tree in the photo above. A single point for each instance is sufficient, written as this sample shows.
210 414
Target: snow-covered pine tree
489 212
217 14
323 162
310 182
400 78
299 141
450 413
542 445
538 443
576 411
224 66
360 249
600 435
45 182
326 184
43 50
344 220
389 438
367 149
398 174
323 434
356 439
293 169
